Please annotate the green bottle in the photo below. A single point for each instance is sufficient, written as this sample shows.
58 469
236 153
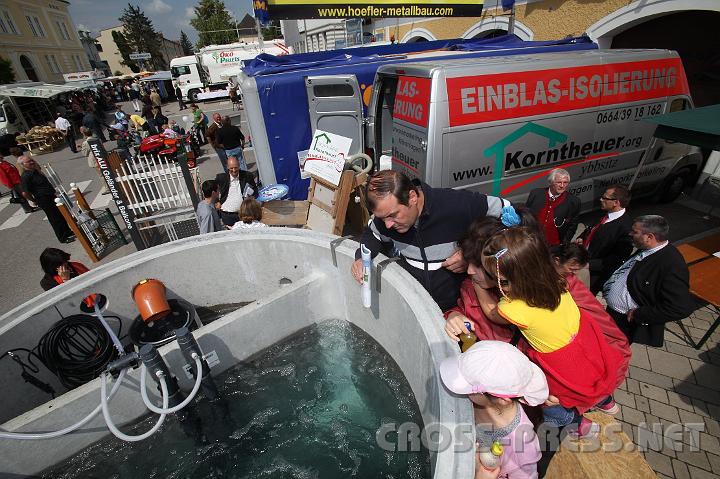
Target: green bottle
467 340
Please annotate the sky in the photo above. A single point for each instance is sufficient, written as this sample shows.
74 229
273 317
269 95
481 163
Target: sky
168 16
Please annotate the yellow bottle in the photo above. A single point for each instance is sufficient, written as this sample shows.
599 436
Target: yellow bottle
467 340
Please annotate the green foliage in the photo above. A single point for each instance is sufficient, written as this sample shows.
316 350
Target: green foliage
213 23
272 30
125 51
185 44
141 36
7 75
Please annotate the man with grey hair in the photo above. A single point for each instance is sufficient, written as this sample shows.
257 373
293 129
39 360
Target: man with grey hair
555 208
652 287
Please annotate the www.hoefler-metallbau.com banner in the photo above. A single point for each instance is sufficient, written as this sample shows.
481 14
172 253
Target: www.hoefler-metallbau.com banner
297 9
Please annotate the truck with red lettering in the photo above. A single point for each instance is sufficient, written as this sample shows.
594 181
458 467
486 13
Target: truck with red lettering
500 125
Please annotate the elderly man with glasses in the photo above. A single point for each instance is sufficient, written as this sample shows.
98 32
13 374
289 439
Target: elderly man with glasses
607 242
235 186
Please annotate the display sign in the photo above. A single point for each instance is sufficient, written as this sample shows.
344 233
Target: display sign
126 214
82 76
412 100
327 154
483 98
140 56
300 9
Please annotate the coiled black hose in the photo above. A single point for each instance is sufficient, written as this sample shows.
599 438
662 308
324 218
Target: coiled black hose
76 349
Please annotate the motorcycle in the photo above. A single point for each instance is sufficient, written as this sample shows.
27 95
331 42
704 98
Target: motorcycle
166 147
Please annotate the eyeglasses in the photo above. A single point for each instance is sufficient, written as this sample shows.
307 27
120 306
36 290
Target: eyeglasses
605 198
233 169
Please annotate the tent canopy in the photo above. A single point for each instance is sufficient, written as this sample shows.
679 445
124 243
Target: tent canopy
158 76
699 127
39 90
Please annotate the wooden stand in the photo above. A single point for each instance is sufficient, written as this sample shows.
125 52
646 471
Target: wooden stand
329 203
326 209
79 234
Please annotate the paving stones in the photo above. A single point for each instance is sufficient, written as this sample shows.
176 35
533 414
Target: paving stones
670 392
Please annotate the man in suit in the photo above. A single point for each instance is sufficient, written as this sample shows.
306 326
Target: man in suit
651 287
235 186
607 242
555 209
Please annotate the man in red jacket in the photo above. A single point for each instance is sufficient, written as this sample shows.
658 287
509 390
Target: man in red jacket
10 177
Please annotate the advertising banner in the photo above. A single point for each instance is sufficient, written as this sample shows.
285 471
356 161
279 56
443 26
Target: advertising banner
299 9
327 155
484 98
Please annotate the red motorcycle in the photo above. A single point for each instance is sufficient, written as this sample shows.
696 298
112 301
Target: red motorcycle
166 147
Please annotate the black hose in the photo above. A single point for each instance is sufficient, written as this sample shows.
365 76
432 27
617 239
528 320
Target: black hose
76 349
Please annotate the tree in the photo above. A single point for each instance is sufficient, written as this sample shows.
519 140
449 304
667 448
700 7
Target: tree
125 51
141 35
185 44
7 75
272 30
213 23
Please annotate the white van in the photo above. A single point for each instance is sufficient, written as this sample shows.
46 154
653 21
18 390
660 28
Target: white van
499 125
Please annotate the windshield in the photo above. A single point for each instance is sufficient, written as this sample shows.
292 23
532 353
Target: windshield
179 70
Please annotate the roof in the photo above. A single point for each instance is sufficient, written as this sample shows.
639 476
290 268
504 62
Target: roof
39 90
699 127
157 76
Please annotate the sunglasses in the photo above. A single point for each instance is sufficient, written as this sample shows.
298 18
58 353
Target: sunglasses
605 198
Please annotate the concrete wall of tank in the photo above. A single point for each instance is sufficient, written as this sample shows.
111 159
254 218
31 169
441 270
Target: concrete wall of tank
231 267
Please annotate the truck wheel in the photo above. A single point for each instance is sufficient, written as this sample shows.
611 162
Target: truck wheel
192 95
673 186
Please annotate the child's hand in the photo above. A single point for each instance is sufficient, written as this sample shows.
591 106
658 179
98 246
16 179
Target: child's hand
481 472
455 325
552 401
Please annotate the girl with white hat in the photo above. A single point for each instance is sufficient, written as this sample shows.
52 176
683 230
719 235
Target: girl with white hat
496 376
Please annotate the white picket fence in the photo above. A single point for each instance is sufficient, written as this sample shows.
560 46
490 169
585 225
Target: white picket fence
151 184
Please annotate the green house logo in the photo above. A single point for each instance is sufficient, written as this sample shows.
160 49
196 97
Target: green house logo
498 149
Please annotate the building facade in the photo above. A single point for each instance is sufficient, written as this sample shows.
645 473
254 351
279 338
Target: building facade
170 49
93 54
109 52
40 40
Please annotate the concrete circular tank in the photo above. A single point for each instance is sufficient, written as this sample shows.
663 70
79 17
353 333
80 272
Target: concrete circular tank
276 271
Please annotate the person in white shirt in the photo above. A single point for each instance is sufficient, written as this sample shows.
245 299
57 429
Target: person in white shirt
235 185
64 126
250 215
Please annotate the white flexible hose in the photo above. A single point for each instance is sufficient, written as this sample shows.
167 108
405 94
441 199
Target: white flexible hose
77 425
113 336
165 409
119 434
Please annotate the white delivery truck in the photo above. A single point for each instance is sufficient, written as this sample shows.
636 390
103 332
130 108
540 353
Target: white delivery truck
499 125
210 68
